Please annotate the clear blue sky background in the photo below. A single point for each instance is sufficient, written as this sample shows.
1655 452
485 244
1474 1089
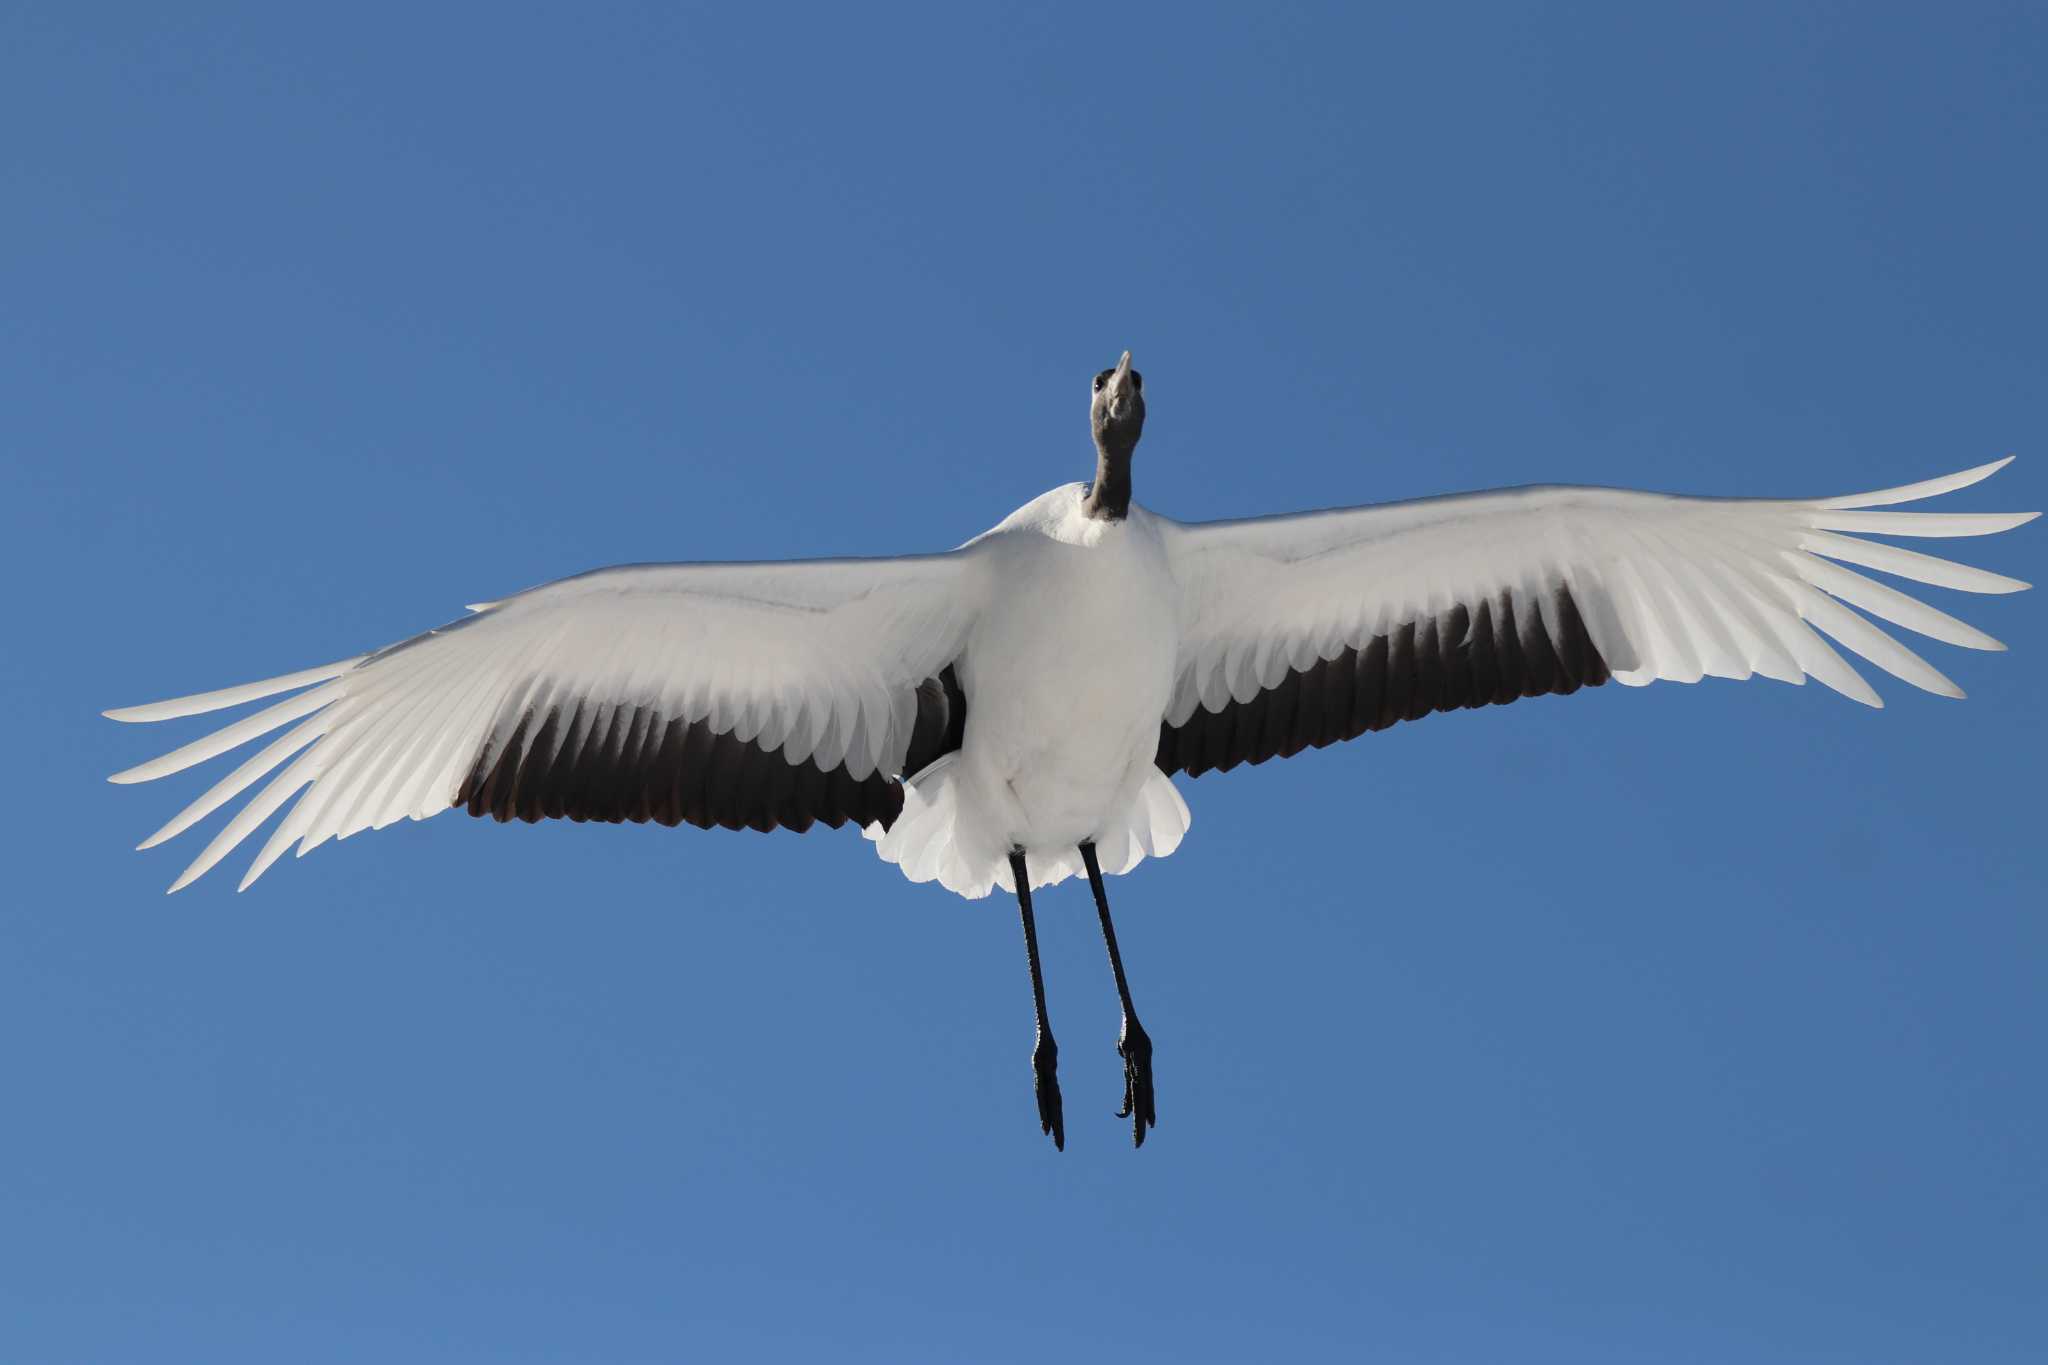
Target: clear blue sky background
1685 1024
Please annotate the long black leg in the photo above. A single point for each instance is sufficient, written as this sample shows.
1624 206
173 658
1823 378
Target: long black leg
1045 1053
1133 1044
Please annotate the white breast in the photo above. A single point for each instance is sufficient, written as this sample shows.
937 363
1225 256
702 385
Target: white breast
1068 674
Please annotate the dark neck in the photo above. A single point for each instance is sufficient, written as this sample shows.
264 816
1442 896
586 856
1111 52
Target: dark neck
1109 497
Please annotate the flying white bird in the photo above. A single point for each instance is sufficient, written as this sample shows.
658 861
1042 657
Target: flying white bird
1010 713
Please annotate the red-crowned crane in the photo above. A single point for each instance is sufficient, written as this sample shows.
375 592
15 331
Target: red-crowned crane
1011 713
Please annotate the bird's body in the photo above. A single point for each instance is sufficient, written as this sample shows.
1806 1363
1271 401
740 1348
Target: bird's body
1012 712
1067 675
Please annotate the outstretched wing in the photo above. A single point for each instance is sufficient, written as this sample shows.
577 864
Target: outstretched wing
743 695
1299 631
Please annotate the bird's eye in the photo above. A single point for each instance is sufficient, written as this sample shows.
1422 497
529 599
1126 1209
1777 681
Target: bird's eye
1137 382
1102 379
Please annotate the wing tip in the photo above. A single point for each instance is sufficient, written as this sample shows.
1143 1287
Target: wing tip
199 703
1918 491
1937 682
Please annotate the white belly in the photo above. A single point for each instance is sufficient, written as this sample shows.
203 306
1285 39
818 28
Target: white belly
1066 684
1067 675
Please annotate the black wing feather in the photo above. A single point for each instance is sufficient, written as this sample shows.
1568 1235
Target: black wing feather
639 765
1486 653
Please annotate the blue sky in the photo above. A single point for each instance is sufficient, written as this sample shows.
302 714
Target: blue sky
1682 1024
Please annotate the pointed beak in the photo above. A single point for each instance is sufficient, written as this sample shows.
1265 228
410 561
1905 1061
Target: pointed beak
1119 386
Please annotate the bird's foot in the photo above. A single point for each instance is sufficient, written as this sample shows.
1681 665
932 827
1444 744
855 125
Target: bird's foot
1045 1080
1135 1047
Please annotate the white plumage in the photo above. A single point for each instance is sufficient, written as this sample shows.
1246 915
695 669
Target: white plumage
1673 588
1073 638
1012 713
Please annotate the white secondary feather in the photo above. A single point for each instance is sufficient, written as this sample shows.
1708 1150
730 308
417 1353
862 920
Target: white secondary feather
810 655
1672 588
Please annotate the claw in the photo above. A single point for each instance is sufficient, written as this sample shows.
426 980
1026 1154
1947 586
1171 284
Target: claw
1045 1083
1135 1047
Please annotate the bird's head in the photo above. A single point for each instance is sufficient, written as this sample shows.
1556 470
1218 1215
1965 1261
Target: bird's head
1117 411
